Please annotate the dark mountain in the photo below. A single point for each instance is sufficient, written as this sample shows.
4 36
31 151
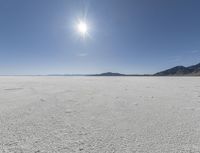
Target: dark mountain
193 70
108 74
118 74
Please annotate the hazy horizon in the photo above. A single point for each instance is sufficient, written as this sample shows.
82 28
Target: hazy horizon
129 37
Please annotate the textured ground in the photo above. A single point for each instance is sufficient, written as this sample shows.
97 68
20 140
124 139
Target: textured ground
100 114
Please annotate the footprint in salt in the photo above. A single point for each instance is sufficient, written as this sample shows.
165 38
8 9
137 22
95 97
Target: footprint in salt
190 108
42 100
69 111
11 89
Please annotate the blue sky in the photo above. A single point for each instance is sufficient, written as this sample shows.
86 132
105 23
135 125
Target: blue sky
127 36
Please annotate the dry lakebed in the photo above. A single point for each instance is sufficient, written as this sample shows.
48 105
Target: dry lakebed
49 114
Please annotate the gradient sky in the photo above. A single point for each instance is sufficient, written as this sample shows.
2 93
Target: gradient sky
127 36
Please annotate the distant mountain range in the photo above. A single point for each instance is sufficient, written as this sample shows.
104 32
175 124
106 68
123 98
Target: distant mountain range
193 70
117 74
101 74
108 74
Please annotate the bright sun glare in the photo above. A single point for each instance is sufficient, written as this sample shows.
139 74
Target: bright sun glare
82 28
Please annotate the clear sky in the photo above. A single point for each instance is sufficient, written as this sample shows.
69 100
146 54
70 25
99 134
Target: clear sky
126 36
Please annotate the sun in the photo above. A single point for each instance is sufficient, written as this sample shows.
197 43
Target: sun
82 28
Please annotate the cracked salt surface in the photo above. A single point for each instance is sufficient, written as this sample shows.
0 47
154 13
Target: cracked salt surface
99 115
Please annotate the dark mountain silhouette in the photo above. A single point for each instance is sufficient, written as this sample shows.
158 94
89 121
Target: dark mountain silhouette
193 70
108 74
118 74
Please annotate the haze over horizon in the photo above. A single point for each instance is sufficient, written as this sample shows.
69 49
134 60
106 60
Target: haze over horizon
129 36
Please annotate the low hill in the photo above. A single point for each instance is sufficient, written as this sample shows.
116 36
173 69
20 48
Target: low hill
108 74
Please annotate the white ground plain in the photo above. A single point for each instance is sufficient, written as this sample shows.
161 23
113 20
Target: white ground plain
100 114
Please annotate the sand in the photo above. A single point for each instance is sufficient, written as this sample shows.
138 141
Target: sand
99 114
